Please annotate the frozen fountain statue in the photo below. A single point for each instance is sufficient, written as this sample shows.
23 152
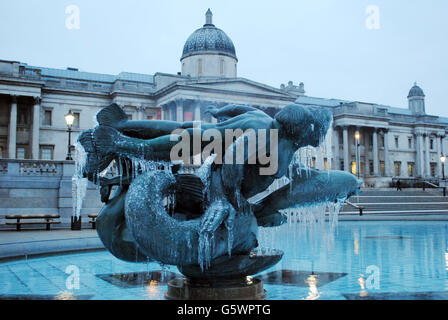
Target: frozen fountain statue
201 220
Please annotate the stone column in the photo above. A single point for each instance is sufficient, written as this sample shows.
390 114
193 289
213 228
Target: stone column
386 154
375 152
197 111
419 154
336 149
141 113
36 129
345 148
12 128
439 138
162 112
179 111
427 167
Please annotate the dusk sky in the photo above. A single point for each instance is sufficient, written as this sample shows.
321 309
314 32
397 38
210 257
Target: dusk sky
326 44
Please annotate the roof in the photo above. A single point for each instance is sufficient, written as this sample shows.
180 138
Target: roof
90 76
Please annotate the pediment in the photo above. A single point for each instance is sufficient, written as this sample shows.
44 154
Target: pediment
242 86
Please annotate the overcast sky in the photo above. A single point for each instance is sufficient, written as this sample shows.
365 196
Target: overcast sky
324 43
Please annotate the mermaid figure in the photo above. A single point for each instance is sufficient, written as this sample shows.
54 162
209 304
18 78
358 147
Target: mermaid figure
211 227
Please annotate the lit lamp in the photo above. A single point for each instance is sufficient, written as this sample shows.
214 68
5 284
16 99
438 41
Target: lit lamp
443 159
69 119
357 138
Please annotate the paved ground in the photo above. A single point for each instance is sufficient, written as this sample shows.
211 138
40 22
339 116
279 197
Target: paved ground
30 242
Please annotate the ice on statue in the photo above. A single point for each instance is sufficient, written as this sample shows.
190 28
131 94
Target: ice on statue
203 222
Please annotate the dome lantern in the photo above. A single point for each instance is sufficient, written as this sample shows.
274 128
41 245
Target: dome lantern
209 18
416 100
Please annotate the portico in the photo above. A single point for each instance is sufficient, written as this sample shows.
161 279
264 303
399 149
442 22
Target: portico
23 131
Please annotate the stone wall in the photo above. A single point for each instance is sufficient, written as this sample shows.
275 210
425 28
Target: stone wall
28 186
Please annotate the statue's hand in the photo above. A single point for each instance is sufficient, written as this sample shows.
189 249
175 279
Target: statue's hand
211 109
215 215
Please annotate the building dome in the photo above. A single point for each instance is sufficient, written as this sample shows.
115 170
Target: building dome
416 91
209 39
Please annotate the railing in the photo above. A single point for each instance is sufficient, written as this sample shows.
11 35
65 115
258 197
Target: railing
355 206
434 186
362 110
38 168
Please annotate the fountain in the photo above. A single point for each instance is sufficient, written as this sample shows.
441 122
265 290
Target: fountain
206 222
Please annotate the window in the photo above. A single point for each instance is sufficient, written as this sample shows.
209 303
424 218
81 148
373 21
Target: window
46 152
396 142
47 118
20 153
410 169
22 116
382 141
188 116
76 120
410 143
313 162
433 166
199 67
353 167
341 165
221 66
326 163
431 144
361 168
129 116
371 167
382 169
1 152
370 141
397 165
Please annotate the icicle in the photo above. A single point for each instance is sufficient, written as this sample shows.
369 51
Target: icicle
79 183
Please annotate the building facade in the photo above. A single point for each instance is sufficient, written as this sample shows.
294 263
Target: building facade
394 142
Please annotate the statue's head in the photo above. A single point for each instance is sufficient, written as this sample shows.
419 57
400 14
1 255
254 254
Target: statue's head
299 126
306 126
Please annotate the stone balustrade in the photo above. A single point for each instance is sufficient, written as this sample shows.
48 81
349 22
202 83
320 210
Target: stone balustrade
31 167
41 186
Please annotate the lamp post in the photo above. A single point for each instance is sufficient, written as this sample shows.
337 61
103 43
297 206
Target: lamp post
443 159
69 119
358 165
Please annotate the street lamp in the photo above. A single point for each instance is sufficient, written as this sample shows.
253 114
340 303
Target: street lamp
357 138
69 119
443 159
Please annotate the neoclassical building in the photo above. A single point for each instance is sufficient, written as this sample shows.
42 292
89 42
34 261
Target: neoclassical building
394 142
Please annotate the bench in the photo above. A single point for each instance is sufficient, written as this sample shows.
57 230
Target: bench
93 217
48 219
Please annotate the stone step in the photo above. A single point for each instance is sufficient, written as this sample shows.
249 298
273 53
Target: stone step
394 192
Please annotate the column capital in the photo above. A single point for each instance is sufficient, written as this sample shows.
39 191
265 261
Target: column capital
37 100
141 108
179 102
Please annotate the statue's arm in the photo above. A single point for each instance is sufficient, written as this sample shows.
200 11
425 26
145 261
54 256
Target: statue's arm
230 111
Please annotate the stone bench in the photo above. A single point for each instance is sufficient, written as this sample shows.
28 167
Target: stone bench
48 220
